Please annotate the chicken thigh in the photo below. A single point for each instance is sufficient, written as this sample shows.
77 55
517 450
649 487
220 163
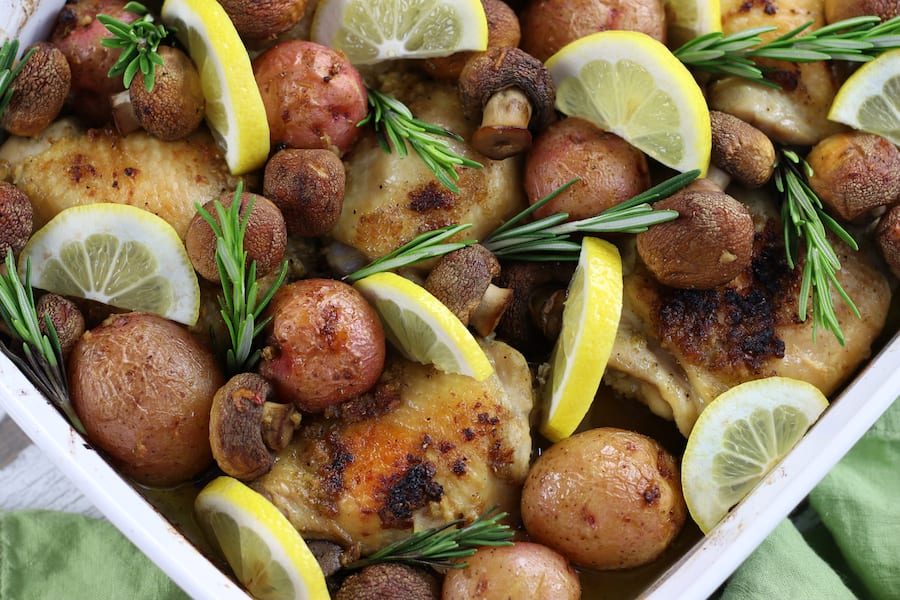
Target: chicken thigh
421 449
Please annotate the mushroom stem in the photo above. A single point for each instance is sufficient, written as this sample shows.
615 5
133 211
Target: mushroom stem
278 424
125 119
487 314
504 125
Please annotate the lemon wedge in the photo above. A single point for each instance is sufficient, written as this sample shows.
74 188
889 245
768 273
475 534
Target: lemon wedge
372 32
630 84
870 98
589 323
422 327
739 437
268 556
687 19
235 111
116 254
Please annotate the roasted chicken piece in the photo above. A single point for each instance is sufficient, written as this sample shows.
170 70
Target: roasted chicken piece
67 165
676 350
389 199
798 112
421 449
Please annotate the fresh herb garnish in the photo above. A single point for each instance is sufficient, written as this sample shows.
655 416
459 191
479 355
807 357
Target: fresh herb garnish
240 304
442 546
138 41
43 361
395 126
805 220
858 39
548 239
8 72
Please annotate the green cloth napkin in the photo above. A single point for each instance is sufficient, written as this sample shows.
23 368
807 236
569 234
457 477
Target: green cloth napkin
852 548
47 555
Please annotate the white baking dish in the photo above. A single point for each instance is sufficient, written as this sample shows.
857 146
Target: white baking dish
165 533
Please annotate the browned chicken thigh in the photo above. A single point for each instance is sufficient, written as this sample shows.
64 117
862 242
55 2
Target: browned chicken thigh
421 449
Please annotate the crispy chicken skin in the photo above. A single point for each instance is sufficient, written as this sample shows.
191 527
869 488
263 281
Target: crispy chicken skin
676 350
797 113
389 199
67 165
421 449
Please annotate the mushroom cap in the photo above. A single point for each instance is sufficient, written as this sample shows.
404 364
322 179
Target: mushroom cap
39 91
16 219
235 427
460 279
263 19
307 184
741 150
504 67
389 580
175 107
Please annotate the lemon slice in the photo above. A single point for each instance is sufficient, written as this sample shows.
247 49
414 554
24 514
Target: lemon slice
235 111
632 85
870 98
116 254
371 32
266 553
589 322
422 327
739 437
687 19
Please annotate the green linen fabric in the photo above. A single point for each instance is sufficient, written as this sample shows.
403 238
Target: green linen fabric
854 549
48 555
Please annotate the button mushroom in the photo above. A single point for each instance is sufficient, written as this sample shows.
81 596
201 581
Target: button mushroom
887 236
263 20
16 219
513 93
854 172
741 150
175 107
39 91
710 243
463 281
307 184
246 427
390 580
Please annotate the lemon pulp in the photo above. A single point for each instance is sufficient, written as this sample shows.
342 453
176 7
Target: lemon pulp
739 437
629 84
371 32
267 555
870 98
589 323
116 254
235 111
422 327
687 19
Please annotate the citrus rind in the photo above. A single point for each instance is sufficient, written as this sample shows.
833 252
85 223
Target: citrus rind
869 100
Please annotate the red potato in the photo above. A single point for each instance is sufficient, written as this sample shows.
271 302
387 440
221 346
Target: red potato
77 34
143 387
325 344
523 570
313 96
605 498
610 169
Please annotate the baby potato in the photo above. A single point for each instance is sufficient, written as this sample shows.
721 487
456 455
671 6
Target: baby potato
523 570
606 498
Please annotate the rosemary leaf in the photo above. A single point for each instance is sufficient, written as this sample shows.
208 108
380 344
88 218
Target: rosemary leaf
139 42
395 127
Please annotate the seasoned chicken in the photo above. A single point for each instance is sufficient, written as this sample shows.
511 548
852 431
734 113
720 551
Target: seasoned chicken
421 449
796 113
390 199
676 350
67 165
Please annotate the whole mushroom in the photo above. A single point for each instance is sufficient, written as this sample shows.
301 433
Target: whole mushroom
175 107
16 219
741 150
307 185
513 94
39 91
263 19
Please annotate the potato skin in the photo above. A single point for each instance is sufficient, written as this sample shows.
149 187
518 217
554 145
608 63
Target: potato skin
605 498
313 96
523 570
325 344
143 386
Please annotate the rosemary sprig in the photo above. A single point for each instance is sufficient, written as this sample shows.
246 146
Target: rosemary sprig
422 247
395 126
858 39
138 41
9 69
548 239
41 357
805 220
239 303
442 546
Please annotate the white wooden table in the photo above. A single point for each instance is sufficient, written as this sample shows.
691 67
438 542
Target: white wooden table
29 480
